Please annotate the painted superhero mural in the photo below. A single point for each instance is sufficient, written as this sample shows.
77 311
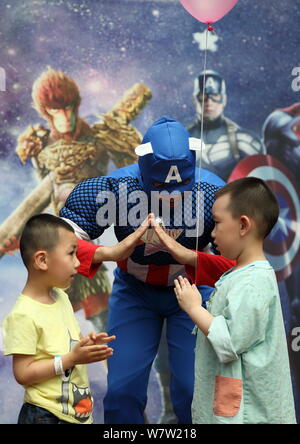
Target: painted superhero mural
110 58
66 152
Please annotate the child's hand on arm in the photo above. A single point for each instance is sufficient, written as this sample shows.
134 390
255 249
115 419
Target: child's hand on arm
190 301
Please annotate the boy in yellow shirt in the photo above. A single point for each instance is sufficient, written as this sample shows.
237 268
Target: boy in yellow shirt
42 334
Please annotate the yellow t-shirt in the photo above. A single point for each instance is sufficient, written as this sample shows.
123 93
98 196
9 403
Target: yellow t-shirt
43 330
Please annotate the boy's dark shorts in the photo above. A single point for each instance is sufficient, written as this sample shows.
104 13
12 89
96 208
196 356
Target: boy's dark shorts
32 414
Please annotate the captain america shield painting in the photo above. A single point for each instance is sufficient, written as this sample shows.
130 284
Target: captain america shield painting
282 245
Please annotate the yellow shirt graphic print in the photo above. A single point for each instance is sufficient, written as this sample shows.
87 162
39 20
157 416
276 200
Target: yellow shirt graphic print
75 399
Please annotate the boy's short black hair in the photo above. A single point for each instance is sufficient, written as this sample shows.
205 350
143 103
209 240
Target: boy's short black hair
41 233
252 197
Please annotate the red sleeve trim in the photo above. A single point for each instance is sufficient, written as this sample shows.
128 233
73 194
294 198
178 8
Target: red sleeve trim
85 255
210 268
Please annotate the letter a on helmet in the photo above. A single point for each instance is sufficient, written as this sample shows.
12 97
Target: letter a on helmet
173 174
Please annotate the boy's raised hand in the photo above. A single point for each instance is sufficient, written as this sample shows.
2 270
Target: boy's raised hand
180 253
190 300
187 295
123 249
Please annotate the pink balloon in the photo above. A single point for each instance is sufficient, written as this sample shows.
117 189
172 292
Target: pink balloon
208 11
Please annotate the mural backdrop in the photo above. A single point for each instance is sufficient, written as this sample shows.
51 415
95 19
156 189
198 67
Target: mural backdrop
143 56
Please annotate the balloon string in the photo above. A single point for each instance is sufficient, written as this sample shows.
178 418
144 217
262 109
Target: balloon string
200 160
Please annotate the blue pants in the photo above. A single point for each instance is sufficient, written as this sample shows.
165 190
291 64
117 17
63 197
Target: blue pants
136 315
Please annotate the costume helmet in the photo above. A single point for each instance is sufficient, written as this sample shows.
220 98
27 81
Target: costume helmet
167 157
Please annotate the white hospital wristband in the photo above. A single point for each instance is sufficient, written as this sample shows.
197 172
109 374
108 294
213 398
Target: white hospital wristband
58 366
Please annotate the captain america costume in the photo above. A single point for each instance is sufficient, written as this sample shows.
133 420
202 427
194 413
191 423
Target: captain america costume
142 295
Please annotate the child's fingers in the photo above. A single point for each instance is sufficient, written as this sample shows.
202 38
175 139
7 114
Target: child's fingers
183 281
84 341
188 284
177 285
101 355
96 348
107 351
162 235
103 334
103 337
152 220
147 221
109 338
93 336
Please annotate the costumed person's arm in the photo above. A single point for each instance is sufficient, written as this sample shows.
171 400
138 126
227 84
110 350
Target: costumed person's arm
83 206
208 269
81 211
202 268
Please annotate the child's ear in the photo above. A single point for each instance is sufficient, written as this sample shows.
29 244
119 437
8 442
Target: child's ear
245 224
40 260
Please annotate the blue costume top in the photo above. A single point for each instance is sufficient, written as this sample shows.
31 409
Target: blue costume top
114 198
82 207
